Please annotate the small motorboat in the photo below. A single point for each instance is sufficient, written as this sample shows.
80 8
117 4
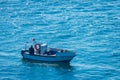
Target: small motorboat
41 52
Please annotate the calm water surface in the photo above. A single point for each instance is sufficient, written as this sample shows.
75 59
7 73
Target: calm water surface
89 27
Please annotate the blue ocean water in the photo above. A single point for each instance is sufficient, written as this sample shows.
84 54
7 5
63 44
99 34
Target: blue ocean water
89 27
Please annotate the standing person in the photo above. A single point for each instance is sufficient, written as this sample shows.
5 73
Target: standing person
31 50
37 46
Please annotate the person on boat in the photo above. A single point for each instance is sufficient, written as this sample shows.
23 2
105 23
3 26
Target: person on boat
31 50
37 46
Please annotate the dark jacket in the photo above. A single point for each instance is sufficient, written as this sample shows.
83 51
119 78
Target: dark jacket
31 50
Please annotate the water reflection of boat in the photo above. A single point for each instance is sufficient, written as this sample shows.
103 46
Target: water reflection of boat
53 64
42 53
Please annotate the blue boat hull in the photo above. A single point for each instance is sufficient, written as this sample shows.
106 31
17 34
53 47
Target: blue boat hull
48 58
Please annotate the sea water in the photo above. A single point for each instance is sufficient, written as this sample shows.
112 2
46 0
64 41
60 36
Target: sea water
91 28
